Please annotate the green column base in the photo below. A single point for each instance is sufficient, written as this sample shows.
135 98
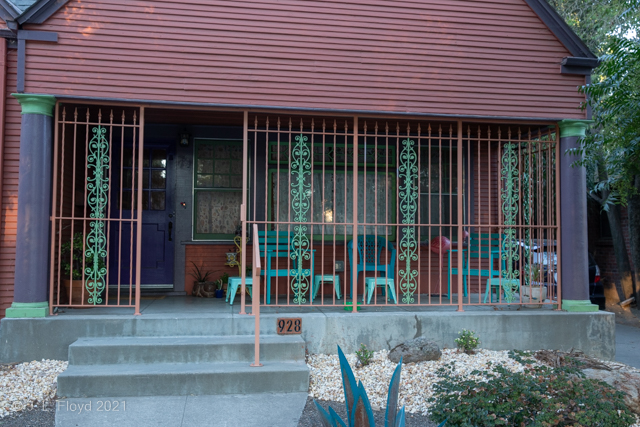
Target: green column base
27 309
578 305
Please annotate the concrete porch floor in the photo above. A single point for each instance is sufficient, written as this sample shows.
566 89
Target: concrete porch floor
500 327
188 305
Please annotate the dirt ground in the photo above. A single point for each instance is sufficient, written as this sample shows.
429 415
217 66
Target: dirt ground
629 316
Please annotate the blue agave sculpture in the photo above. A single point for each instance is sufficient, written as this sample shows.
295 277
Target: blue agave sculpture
359 410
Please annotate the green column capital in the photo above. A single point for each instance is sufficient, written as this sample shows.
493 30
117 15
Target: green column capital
569 127
36 104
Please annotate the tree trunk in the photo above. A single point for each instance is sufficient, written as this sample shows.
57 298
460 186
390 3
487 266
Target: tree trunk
620 250
619 245
633 209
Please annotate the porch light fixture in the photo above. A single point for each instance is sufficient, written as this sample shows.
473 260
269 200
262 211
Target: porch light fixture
184 138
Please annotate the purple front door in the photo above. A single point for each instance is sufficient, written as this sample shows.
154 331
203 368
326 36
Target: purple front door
158 222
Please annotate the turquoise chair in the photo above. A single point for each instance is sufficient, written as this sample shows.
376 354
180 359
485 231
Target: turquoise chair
369 251
274 245
232 287
480 247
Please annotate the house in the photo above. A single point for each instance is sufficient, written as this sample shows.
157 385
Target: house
139 138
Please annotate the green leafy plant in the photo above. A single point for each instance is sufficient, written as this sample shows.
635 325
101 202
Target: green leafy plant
467 341
71 261
538 396
199 273
224 278
364 355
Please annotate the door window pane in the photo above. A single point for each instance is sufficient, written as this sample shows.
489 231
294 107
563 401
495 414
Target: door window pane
159 158
157 200
158 179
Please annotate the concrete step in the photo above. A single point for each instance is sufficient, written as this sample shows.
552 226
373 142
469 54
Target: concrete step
198 349
182 379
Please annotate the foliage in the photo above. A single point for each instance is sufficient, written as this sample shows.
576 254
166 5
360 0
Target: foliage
224 278
519 356
364 355
594 20
199 273
539 396
359 409
467 341
614 139
71 263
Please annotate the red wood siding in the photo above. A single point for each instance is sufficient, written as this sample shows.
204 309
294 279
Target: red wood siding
489 58
9 212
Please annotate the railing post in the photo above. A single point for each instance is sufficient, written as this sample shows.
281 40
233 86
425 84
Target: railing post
460 219
255 297
243 210
354 232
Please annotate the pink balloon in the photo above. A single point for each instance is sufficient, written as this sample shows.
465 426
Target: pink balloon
440 245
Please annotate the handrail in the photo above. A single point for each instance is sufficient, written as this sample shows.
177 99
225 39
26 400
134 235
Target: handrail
255 297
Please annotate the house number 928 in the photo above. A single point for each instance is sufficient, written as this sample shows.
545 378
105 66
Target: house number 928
289 325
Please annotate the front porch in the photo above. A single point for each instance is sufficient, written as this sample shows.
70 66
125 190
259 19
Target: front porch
323 328
432 208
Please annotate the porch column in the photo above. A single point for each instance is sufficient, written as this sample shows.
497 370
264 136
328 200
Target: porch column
34 205
573 221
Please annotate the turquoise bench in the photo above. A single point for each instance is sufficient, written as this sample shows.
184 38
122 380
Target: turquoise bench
480 247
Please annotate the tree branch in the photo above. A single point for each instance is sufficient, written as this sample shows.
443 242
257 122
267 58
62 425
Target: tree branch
596 198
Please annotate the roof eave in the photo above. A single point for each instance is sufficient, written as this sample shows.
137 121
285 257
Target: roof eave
9 13
560 29
40 11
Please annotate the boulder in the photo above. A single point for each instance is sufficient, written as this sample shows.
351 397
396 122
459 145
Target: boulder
624 381
415 350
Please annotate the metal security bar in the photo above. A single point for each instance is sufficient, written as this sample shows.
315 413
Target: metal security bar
354 211
96 207
514 216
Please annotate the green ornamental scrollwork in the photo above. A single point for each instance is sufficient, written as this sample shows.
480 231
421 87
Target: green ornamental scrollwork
300 204
98 190
408 195
527 204
510 196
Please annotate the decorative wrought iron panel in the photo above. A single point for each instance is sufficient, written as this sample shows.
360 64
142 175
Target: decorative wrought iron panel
95 223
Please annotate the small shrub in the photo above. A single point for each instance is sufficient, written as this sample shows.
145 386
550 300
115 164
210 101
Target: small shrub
539 396
364 355
467 341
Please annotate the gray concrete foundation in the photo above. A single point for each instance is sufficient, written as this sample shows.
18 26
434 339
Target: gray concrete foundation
322 329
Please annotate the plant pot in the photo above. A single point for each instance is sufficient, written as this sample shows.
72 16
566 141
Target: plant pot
204 289
76 286
536 293
219 293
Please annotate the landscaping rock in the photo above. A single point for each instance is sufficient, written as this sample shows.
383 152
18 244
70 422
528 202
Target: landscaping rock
624 381
415 350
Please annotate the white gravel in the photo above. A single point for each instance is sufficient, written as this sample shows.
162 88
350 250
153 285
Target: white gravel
33 385
28 385
416 378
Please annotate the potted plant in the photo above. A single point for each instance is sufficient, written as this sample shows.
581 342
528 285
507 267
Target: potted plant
225 281
201 287
536 291
71 263
219 291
